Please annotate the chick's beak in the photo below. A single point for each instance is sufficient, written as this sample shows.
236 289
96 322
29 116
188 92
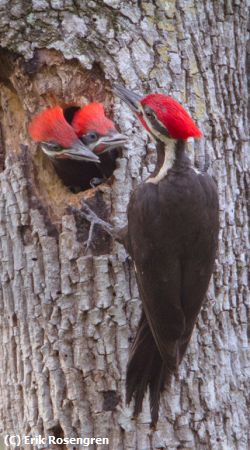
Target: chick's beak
111 140
132 99
80 152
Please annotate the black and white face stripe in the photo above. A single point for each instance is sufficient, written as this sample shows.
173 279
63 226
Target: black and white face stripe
160 133
51 148
157 129
151 118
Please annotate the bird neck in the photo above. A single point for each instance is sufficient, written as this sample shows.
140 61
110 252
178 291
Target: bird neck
170 155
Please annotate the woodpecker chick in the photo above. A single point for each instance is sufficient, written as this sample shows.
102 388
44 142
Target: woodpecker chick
172 239
96 135
96 130
100 135
58 139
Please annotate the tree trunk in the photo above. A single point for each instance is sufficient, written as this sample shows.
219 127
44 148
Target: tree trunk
67 316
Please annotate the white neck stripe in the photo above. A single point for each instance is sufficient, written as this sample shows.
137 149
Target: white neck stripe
169 159
169 149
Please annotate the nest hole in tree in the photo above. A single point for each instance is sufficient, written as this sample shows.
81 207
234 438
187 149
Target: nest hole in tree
80 176
71 86
28 87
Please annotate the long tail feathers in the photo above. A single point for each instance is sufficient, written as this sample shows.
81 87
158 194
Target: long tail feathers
162 378
146 369
138 373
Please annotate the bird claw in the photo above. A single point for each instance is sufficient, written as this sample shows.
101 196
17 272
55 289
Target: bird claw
90 216
85 216
96 181
88 242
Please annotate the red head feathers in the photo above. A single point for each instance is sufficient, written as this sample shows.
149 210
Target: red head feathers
172 116
50 125
91 117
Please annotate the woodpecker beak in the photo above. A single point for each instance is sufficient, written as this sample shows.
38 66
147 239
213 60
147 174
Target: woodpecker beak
133 100
77 151
111 140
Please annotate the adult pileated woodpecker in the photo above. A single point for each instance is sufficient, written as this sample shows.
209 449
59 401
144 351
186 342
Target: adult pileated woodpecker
172 239
95 132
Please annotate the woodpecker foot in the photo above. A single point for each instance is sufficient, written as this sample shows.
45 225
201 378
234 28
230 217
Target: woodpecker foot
82 214
87 243
96 181
92 217
119 234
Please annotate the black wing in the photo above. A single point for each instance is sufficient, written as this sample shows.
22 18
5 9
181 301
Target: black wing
172 234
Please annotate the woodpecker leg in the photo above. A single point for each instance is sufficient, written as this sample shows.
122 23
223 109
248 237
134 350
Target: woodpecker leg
78 213
87 243
88 214
92 217
96 181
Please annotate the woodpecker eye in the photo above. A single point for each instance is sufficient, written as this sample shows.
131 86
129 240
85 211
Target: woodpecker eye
92 136
52 146
149 113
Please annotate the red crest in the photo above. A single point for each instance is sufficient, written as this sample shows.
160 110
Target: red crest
173 116
91 118
50 125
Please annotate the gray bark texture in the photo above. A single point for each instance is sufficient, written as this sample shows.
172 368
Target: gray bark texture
67 317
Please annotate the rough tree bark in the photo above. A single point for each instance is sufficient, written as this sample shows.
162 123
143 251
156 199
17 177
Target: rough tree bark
67 318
